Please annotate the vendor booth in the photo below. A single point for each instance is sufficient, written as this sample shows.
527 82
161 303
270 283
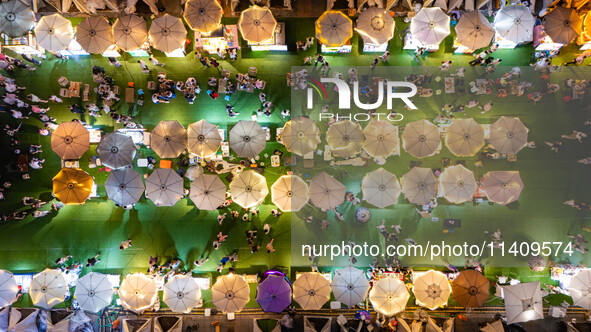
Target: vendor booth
224 37
26 44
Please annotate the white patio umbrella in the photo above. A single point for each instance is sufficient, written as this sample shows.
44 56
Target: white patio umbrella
381 138
168 139
164 187
17 19
311 290
204 139
249 189
430 26
333 28
421 138
349 286
94 292
457 184
300 135
523 302
580 289
94 34
563 25
230 293
389 296
474 30
130 32
508 135
48 289
326 192
345 138
181 293
138 292
247 139
290 193
70 140
8 288
515 23
502 187
208 192
125 186
375 25
203 15
419 185
167 33
464 137
431 289
257 24
380 188
116 150
54 32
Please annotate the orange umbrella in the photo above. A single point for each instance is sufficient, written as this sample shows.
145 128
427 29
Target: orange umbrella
70 140
72 186
470 289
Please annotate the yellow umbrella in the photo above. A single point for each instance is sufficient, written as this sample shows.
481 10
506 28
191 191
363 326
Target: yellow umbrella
345 138
70 140
257 24
300 135
290 193
333 28
167 33
72 186
203 15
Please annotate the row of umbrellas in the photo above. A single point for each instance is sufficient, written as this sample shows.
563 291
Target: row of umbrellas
311 291
464 137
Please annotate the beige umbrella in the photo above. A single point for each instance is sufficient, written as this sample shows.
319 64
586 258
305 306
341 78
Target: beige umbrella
380 188
457 184
508 135
290 193
8 289
230 293
345 138
464 137
300 135
350 286
474 30
502 187
181 293
203 15
17 18
515 23
48 289
419 185
431 289
168 139
311 291
70 140
381 138
94 34
563 25
389 296
130 32
167 33
54 32
164 187
204 139
249 189
326 192
430 26
523 302
333 28
375 25
208 192
257 24
247 139
138 292
421 139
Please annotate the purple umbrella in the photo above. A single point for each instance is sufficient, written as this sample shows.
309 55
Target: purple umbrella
274 294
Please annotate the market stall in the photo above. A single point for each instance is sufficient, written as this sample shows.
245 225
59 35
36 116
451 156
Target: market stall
224 37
